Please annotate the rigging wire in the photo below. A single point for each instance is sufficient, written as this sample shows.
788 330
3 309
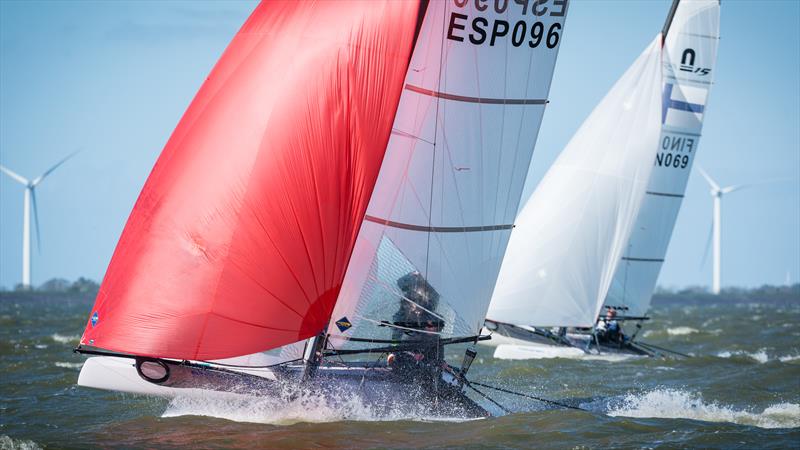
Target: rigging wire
646 345
433 153
533 397
505 410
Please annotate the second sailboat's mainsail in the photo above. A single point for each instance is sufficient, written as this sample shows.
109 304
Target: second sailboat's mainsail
446 199
571 233
691 49
241 236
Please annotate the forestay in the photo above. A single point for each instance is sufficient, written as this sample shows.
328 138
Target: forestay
572 231
447 195
691 52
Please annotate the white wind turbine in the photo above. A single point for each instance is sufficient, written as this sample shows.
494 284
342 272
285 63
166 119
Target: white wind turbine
716 225
30 198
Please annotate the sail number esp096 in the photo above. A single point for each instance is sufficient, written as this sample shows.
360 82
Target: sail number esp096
481 30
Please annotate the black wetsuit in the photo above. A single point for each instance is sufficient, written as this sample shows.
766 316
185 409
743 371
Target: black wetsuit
416 312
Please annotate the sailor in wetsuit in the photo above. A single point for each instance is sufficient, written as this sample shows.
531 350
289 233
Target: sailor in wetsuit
416 312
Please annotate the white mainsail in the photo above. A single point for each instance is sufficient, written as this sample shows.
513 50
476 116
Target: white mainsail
691 50
571 233
450 184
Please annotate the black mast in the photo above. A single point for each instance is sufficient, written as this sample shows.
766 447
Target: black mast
667 24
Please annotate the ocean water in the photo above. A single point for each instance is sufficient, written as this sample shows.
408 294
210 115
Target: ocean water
741 389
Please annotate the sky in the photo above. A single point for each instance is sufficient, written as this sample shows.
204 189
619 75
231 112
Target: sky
113 79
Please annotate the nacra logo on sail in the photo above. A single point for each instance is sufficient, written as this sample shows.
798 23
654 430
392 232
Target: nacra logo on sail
482 30
687 63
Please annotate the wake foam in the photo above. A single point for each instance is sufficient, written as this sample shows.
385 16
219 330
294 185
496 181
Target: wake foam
267 410
679 404
305 407
7 443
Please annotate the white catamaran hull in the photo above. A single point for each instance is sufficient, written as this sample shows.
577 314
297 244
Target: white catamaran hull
537 351
543 351
378 388
499 339
521 342
579 348
119 374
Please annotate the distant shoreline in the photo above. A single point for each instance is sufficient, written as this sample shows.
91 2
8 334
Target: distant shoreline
86 289
700 295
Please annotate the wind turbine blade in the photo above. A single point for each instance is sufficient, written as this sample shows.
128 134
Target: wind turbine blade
47 172
708 244
733 188
15 176
708 178
737 187
36 220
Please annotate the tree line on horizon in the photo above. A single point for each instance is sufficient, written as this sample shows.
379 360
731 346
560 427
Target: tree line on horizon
88 287
85 286
701 294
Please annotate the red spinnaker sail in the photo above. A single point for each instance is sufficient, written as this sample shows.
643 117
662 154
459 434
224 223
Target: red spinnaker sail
242 234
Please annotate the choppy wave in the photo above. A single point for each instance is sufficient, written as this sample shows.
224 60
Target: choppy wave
759 356
682 331
7 443
65 339
68 365
679 404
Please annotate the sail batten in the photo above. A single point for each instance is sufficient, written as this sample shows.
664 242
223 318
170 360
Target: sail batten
468 99
438 229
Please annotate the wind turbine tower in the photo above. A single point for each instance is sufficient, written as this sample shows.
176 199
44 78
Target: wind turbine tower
29 200
716 224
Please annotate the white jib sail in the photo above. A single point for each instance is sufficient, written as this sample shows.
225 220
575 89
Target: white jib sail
570 234
690 54
448 191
